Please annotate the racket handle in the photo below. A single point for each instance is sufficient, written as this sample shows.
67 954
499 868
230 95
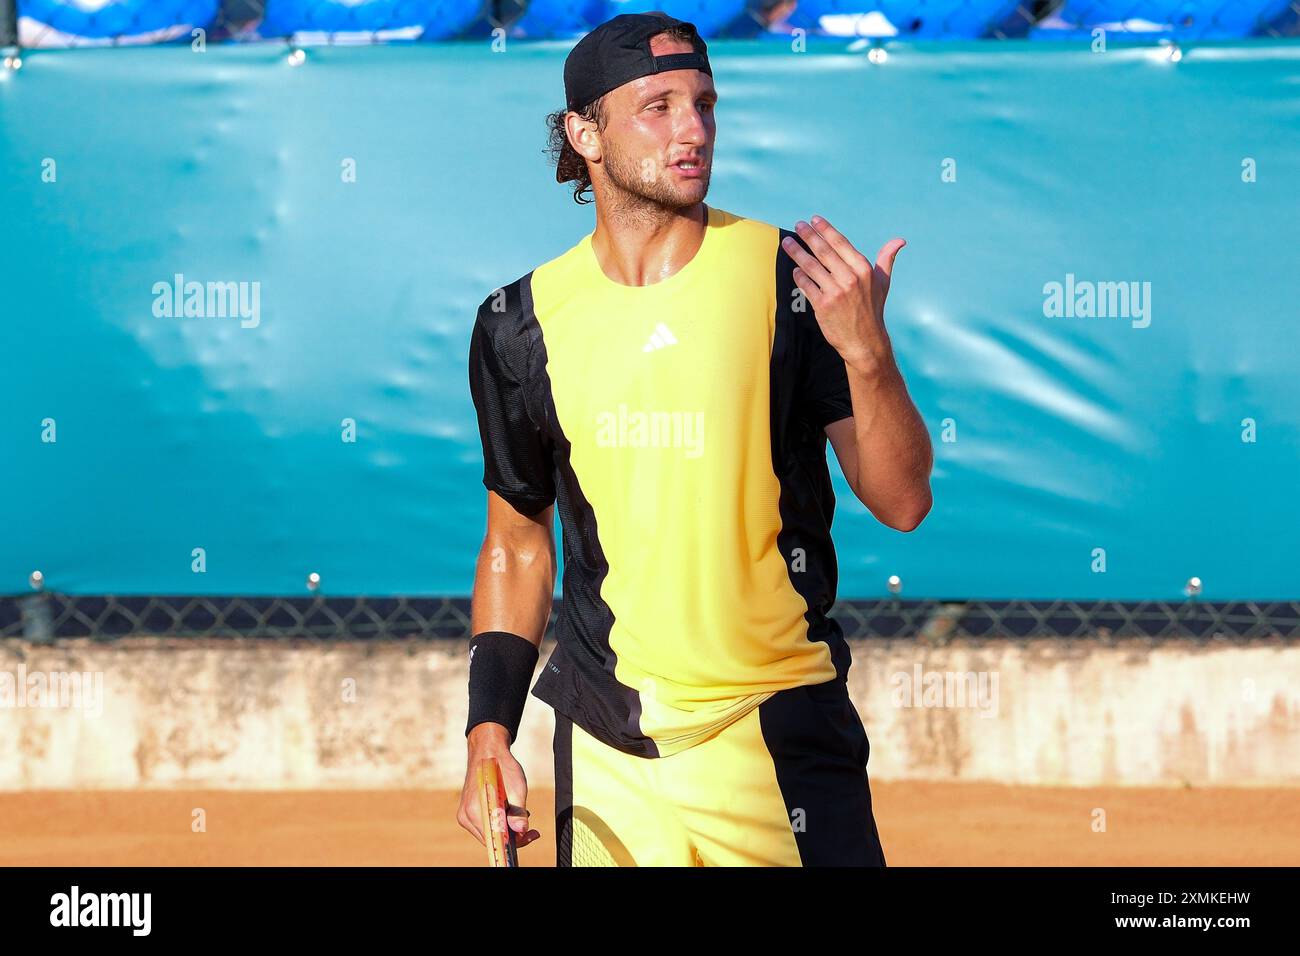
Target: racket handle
497 835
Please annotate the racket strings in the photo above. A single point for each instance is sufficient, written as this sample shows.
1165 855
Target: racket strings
582 846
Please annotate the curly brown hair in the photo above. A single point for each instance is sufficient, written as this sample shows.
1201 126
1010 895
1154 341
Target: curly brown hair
569 166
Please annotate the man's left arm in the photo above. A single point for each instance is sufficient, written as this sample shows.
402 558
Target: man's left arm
884 449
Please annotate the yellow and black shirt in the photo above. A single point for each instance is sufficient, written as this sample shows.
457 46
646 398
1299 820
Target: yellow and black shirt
679 426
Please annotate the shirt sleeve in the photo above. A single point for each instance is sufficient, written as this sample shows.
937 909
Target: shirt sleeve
517 457
824 395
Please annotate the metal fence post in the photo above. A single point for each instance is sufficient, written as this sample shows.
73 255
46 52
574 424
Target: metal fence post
8 23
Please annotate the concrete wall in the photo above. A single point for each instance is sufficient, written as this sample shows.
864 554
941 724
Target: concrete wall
271 714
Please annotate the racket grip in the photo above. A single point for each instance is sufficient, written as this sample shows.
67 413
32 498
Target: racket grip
497 835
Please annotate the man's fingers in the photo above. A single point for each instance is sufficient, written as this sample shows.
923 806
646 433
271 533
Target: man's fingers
827 254
809 288
517 818
888 253
847 252
813 269
516 797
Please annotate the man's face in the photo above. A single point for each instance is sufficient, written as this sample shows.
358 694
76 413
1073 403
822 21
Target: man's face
657 127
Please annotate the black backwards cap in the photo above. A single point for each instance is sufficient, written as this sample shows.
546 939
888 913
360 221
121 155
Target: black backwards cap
618 52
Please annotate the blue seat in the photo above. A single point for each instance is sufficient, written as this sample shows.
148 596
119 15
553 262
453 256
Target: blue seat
913 19
412 19
709 16
558 19
96 20
1171 19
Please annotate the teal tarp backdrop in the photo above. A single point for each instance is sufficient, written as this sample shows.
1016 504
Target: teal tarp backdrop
1054 435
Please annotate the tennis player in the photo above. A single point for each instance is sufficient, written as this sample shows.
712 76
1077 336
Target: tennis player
669 383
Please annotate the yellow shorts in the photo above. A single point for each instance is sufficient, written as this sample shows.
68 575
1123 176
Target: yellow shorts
785 785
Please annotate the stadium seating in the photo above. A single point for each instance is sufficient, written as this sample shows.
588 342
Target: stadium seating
569 18
1169 19
60 23
371 20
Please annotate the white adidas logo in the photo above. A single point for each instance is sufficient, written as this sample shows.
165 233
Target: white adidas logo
660 338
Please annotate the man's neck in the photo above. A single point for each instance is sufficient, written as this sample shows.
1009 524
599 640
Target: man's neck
642 245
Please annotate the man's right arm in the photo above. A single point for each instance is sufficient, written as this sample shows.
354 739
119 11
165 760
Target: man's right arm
515 577
513 584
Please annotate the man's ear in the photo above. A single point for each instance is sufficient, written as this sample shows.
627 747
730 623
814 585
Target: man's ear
583 137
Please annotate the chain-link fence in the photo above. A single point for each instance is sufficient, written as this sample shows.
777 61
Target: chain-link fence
73 23
48 616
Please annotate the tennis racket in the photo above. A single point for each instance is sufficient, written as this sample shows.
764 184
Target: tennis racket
497 835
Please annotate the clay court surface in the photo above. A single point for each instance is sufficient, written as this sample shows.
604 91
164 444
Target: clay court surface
921 824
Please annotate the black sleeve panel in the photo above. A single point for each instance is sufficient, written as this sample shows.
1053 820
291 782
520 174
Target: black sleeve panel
518 457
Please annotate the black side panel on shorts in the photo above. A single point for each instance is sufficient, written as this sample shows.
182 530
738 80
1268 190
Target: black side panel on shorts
820 751
563 745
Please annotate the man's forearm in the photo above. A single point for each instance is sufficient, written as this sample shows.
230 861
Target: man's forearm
894 456
513 585
513 588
